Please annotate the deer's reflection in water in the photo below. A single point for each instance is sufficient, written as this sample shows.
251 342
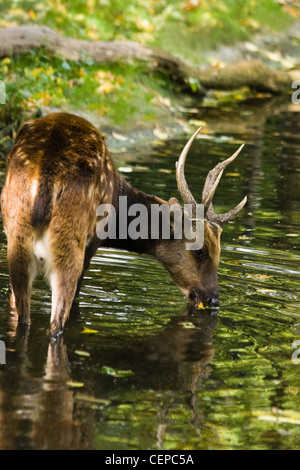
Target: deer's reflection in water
41 385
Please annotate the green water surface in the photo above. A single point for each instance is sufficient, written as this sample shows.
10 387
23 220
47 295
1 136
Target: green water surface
136 368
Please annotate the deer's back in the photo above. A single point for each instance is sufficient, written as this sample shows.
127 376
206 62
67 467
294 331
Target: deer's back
56 164
59 144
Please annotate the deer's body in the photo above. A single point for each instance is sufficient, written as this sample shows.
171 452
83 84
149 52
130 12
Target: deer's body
58 172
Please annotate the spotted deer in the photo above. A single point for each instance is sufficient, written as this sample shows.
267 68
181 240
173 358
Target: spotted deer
58 173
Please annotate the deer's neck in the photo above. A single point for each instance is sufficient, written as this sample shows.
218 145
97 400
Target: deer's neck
132 211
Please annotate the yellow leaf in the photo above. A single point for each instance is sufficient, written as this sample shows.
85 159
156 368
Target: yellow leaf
201 305
49 71
46 98
92 400
105 88
188 325
79 17
36 72
93 34
145 25
88 331
8 24
74 384
32 14
103 75
82 353
217 64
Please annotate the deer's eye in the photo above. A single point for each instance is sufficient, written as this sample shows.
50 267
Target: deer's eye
199 254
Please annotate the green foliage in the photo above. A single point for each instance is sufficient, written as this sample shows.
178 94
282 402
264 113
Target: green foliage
203 25
158 21
119 92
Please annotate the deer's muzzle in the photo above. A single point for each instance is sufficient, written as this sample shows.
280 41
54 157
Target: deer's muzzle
203 298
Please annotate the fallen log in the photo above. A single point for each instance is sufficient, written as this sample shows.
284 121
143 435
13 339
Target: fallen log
252 73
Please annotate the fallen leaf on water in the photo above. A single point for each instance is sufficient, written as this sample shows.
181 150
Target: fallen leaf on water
74 384
88 331
200 306
82 353
265 291
188 325
91 399
125 169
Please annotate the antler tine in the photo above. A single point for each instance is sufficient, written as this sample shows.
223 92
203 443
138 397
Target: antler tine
213 178
223 219
182 185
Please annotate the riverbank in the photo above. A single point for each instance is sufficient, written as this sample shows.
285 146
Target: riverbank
129 97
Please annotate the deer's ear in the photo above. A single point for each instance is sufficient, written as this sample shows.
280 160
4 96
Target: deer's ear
174 205
172 201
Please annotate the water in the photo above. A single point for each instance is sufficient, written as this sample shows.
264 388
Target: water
136 369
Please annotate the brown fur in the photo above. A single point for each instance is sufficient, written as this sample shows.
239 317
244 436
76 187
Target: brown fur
58 172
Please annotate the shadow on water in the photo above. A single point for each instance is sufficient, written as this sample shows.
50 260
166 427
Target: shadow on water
136 369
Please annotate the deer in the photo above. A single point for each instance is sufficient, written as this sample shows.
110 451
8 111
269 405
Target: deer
57 174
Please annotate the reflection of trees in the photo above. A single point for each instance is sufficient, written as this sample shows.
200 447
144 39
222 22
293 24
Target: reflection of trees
281 142
247 118
278 170
288 176
39 409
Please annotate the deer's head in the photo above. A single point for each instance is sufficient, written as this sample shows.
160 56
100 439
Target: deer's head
196 271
